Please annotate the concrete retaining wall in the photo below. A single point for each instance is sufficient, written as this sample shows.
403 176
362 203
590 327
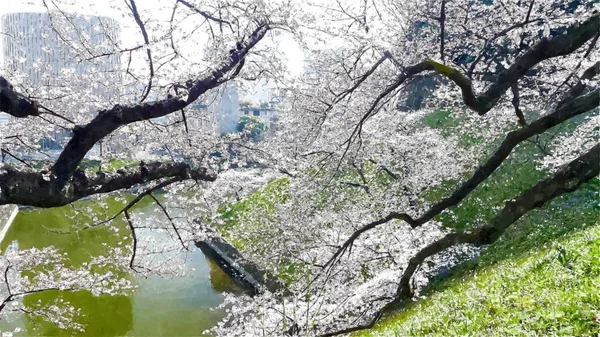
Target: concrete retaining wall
244 272
7 215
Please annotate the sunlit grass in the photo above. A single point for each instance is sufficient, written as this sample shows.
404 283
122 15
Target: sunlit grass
542 278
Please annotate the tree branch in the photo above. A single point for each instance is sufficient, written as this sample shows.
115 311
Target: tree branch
27 187
14 103
516 102
575 36
568 179
562 113
442 29
133 238
140 23
107 121
203 13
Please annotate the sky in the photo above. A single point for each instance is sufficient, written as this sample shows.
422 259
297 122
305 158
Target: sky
284 42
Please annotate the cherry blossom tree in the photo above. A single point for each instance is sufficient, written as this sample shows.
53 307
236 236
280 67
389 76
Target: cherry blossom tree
150 103
353 230
340 206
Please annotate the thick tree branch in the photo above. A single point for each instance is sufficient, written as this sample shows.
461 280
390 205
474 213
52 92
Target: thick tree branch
107 121
564 112
568 179
14 103
575 37
26 187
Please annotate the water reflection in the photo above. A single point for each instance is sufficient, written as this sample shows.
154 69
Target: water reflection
176 306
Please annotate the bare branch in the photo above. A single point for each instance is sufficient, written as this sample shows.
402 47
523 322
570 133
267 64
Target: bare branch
140 23
164 210
566 111
203 13
14 103
442 29
134 239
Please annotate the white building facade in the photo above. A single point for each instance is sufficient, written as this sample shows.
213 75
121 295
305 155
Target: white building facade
60 55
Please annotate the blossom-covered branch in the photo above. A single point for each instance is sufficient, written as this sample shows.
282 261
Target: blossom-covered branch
86 136
579 171
564 112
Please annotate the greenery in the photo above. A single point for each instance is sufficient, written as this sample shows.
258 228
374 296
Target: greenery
517 288
252 128
540 278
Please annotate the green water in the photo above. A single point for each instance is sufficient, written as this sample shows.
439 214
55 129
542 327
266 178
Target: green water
179 306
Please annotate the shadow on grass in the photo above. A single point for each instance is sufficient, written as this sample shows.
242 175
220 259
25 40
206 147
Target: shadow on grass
572 212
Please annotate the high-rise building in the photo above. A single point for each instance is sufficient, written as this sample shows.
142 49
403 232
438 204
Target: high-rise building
54 55
42 47
4 118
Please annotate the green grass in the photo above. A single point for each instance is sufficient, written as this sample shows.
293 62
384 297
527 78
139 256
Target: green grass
240 216
541 278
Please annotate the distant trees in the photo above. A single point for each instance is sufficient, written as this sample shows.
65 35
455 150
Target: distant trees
252 128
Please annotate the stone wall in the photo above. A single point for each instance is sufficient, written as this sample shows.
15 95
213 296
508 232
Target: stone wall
243 271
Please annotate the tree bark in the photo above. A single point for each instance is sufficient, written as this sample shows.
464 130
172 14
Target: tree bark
33 188
59 186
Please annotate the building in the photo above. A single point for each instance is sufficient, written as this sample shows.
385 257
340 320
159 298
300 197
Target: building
41 49
226 112
43 52
4 118
267 111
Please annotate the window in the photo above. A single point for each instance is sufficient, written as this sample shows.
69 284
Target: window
256 112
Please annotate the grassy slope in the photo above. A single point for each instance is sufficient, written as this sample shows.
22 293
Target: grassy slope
541 278
550 290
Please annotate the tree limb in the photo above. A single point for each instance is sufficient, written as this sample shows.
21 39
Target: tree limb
576 36
14 103
33 188
140 23
568 179
562 113
203 13
107 121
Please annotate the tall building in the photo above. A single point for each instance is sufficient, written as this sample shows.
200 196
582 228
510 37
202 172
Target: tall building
4 118
37 45
226 113
44 52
